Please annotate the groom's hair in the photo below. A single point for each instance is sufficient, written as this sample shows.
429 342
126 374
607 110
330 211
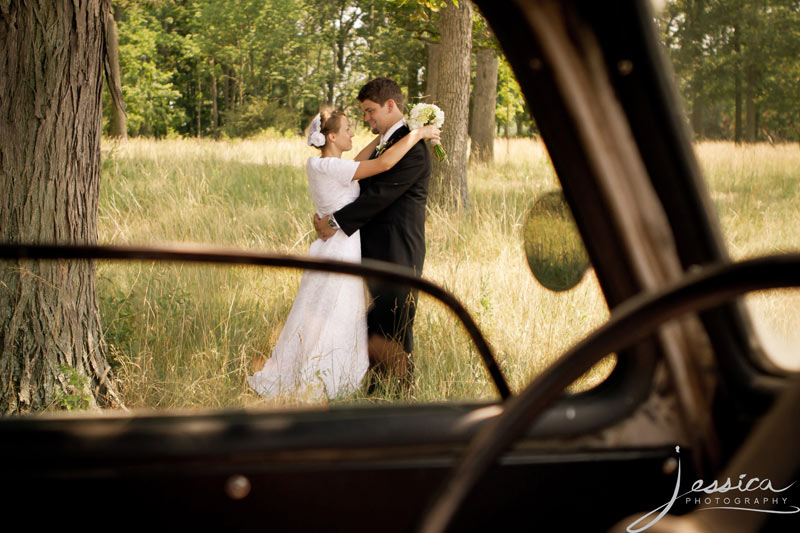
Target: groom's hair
381 89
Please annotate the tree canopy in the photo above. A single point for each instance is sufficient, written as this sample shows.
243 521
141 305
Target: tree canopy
235 68
738 65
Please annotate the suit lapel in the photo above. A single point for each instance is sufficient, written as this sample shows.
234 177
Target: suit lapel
398 134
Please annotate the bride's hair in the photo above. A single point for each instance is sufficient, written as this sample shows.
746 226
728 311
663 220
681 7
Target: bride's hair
330 120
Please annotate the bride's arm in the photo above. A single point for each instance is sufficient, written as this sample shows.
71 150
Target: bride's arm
390 157
364 154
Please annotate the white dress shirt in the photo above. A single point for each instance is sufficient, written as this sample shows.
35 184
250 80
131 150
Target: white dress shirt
386 136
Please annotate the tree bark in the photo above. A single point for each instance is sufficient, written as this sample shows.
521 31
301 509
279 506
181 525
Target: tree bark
432 73
241 82
484 100
508 122
214 107
119 120
227 87
751 118
371 40
199 103
50 126
449 179
737 87
698 117
413 83
696 23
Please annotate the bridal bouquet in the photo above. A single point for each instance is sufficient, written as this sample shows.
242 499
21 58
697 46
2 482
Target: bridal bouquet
426 115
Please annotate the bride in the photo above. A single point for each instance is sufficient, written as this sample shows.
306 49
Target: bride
322 349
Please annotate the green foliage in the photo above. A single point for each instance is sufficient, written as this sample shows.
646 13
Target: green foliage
150 96
424 9
78 385
240 67
199 67
738 66
482 35
398 34
511 110
253 116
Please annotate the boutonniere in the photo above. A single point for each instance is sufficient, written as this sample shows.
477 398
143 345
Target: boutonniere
381 147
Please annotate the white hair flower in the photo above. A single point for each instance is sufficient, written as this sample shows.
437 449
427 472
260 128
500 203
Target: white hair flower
316 139
315 136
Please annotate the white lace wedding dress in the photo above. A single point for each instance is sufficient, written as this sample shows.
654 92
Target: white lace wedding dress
322 349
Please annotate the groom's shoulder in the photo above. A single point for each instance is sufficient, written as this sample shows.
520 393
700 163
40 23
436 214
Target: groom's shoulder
401 132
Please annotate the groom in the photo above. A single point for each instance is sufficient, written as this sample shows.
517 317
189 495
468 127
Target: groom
390 212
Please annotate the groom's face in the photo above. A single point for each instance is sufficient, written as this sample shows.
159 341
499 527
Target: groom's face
376 115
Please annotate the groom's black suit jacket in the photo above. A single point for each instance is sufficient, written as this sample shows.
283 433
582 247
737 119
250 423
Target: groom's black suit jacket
390 209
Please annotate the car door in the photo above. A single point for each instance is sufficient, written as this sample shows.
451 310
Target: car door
599 88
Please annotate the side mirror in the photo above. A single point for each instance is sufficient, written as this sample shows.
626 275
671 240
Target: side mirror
553 246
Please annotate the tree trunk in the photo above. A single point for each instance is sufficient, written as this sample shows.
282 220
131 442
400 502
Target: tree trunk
330 86
199 103
227 89
751 119
241 82
214 107
737 88
449 179
119 121
484 96
697 108
50 128
432 73
371 40
697 32
413 83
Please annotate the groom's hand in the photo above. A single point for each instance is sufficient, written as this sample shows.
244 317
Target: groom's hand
324 231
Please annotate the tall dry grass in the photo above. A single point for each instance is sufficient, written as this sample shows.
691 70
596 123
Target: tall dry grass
188 335
755 189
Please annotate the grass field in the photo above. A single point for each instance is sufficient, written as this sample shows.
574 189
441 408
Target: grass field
186 336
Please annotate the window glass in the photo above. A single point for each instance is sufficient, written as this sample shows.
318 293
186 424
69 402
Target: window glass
737 65
183 335
215 154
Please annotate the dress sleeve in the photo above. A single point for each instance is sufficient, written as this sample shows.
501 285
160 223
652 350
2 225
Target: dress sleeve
343 170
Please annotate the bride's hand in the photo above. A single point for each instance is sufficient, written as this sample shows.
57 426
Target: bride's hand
430 132
324 231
